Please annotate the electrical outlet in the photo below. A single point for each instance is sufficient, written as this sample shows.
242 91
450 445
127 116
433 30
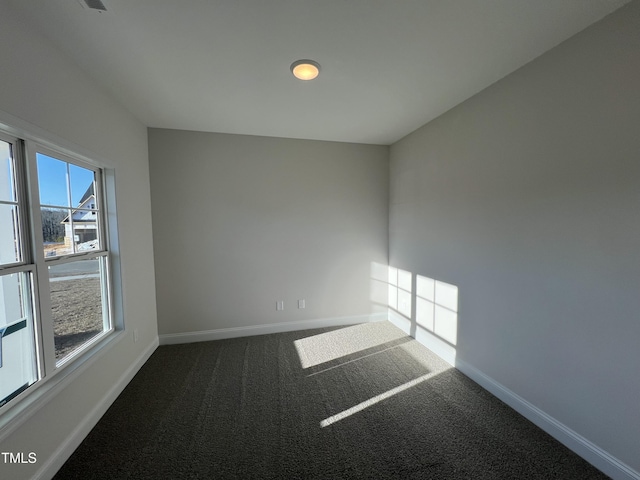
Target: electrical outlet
280 305
302 303
135 335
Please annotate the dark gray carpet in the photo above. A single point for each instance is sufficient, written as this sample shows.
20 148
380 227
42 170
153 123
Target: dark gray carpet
247 409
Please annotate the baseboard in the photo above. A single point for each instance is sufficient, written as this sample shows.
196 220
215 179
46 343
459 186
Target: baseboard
67 447
586 449
595 455
234 332
444 350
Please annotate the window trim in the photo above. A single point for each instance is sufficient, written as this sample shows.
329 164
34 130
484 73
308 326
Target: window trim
32 149
51 381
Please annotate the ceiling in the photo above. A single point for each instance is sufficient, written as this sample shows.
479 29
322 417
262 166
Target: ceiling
388 67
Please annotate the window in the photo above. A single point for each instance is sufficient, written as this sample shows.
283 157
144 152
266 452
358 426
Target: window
54 263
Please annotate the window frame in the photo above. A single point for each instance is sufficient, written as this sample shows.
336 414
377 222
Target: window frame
25 265
21 199
24 149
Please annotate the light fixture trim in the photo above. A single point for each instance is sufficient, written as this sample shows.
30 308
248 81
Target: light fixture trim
305 69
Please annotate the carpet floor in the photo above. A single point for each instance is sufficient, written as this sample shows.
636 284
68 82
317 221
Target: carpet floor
358 402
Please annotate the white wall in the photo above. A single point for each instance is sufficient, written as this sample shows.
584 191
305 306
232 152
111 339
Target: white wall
526 197
43 92
241 222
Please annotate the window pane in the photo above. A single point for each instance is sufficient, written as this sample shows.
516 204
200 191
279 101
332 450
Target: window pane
52 181
78 302
7 185
61 235
85 230
9 237
56 232
82 193
18 364
10 248
67 230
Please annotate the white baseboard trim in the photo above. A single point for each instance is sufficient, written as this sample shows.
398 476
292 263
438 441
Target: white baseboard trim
401 322
595 455
444 350
234 332
67 447
586 449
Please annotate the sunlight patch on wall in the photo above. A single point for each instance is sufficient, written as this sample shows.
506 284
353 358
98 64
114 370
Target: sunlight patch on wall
437 308
424 308
378 288
399 282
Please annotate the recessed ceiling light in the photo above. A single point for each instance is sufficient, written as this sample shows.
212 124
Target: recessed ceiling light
305 69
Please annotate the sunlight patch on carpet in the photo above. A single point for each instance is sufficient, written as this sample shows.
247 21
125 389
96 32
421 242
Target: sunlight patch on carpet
373 400
329 346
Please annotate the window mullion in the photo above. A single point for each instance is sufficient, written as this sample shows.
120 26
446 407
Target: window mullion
100 207
103 229
41 284
22 180
24 177
71 211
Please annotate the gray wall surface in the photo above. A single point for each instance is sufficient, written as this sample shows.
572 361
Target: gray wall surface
41 88
241 222
526 197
